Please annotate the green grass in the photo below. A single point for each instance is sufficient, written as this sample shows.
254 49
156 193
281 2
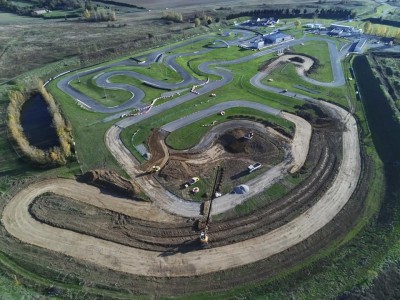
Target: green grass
11 19
150 92
156 71
191 63
59 14
107 97
87 126
320 51
190 135
286 77
275 192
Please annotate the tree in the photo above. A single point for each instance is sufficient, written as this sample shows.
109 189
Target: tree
367 27
297 23
197 22
113 16
86 14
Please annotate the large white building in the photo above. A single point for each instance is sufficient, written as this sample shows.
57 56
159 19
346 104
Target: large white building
342 30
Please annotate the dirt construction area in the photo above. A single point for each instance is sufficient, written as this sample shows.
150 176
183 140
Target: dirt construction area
302 63
229 148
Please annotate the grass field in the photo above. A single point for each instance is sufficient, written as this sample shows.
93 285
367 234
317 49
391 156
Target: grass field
320 51
157 71
286 77
150 92
107 97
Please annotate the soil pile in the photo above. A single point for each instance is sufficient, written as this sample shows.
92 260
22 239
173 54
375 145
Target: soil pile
111 181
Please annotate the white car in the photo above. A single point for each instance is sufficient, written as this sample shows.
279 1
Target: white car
254 167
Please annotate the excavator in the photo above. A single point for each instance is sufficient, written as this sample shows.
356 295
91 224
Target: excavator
204 233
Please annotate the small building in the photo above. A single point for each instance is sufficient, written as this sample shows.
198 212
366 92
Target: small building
257 44
40 12
314 26
343 30
261 22
360 44
336 32
276 38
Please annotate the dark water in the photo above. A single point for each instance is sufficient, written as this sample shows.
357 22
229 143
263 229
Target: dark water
37 123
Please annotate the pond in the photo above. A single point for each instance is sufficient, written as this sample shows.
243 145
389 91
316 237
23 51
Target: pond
37 123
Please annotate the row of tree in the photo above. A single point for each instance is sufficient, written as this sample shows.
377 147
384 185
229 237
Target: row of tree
382 30
294 13
53 156
172 16
99 15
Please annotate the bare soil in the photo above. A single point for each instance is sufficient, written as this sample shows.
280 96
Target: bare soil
64 269
182 236
230 150
113 182
303 63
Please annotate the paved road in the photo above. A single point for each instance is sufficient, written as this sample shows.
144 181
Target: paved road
137 94
187 79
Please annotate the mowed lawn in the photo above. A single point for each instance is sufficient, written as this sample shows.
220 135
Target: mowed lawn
107 97
320 51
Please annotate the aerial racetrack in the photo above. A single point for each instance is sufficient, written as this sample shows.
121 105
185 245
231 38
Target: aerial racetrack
163 242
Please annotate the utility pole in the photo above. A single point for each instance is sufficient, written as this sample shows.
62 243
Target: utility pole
105 94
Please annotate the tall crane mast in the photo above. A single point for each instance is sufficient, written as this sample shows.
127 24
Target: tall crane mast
204 233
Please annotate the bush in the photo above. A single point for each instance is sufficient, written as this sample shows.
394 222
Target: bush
172 16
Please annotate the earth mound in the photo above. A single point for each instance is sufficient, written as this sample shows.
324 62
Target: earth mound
111 181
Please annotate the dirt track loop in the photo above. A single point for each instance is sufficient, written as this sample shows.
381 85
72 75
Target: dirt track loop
19 223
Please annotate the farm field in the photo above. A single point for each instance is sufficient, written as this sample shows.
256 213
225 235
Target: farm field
201 170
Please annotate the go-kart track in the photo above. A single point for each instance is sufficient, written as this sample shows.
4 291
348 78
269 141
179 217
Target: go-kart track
168 208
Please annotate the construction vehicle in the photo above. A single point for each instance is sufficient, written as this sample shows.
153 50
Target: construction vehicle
204 233
191 181
249 136
253 167
155 169
204 238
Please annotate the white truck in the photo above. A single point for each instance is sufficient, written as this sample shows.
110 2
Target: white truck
254 167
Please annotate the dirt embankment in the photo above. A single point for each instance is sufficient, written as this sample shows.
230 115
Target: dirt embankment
112 182
229 148
303 63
